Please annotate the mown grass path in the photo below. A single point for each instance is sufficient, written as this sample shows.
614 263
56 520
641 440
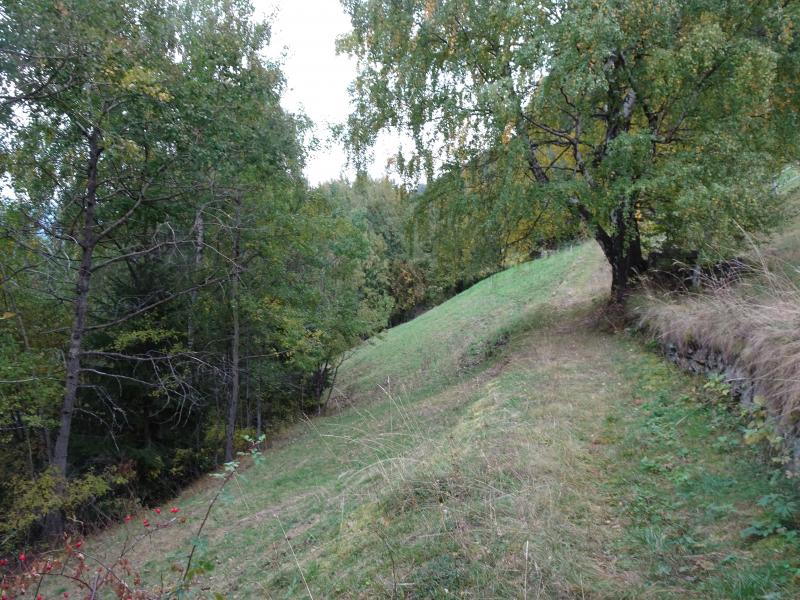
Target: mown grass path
501 446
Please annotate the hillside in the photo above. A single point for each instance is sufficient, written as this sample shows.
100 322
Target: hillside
501 445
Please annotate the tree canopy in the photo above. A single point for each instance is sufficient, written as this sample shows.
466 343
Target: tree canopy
656 124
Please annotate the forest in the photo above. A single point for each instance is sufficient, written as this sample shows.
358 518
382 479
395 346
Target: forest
172 287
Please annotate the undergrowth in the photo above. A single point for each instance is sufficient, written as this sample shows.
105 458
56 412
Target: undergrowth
752 322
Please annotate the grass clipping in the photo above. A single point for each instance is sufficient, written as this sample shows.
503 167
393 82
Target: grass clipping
752 321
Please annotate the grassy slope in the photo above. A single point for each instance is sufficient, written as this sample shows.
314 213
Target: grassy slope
438 346
568 464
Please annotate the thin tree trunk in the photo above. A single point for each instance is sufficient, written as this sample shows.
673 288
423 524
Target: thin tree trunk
319 381
47 441
199 229
78 330
233 399
31 468
258 415
324 406
73 364
191 327
248 418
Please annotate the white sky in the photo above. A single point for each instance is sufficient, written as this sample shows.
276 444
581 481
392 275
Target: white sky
317 79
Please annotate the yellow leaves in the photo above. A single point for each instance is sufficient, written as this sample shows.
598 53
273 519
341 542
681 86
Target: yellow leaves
509 129
127 148
787 32
430 8
271 304
7 315
144 81
314 335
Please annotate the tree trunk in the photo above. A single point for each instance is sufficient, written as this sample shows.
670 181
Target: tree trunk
623 250
47 441
78 330
248 417
258 415
324 406
73 364
320 375
233 398
199 229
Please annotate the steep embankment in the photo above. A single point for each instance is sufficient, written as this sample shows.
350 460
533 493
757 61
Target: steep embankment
499 446
742 327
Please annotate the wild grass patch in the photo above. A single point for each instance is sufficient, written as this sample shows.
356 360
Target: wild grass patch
575 465
690 491
468 328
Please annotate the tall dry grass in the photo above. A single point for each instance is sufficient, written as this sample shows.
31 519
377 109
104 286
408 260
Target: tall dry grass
751 320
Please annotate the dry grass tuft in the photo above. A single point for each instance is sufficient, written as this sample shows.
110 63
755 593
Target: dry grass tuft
752 321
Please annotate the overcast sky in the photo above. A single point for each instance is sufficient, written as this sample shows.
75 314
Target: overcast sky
317 78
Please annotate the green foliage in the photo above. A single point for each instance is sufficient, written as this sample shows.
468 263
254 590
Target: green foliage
201 236
657 126
28 500
758 428
780 517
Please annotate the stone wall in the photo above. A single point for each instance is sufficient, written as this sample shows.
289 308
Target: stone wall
744 388
709 362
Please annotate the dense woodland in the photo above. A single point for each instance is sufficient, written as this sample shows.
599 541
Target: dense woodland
170 282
